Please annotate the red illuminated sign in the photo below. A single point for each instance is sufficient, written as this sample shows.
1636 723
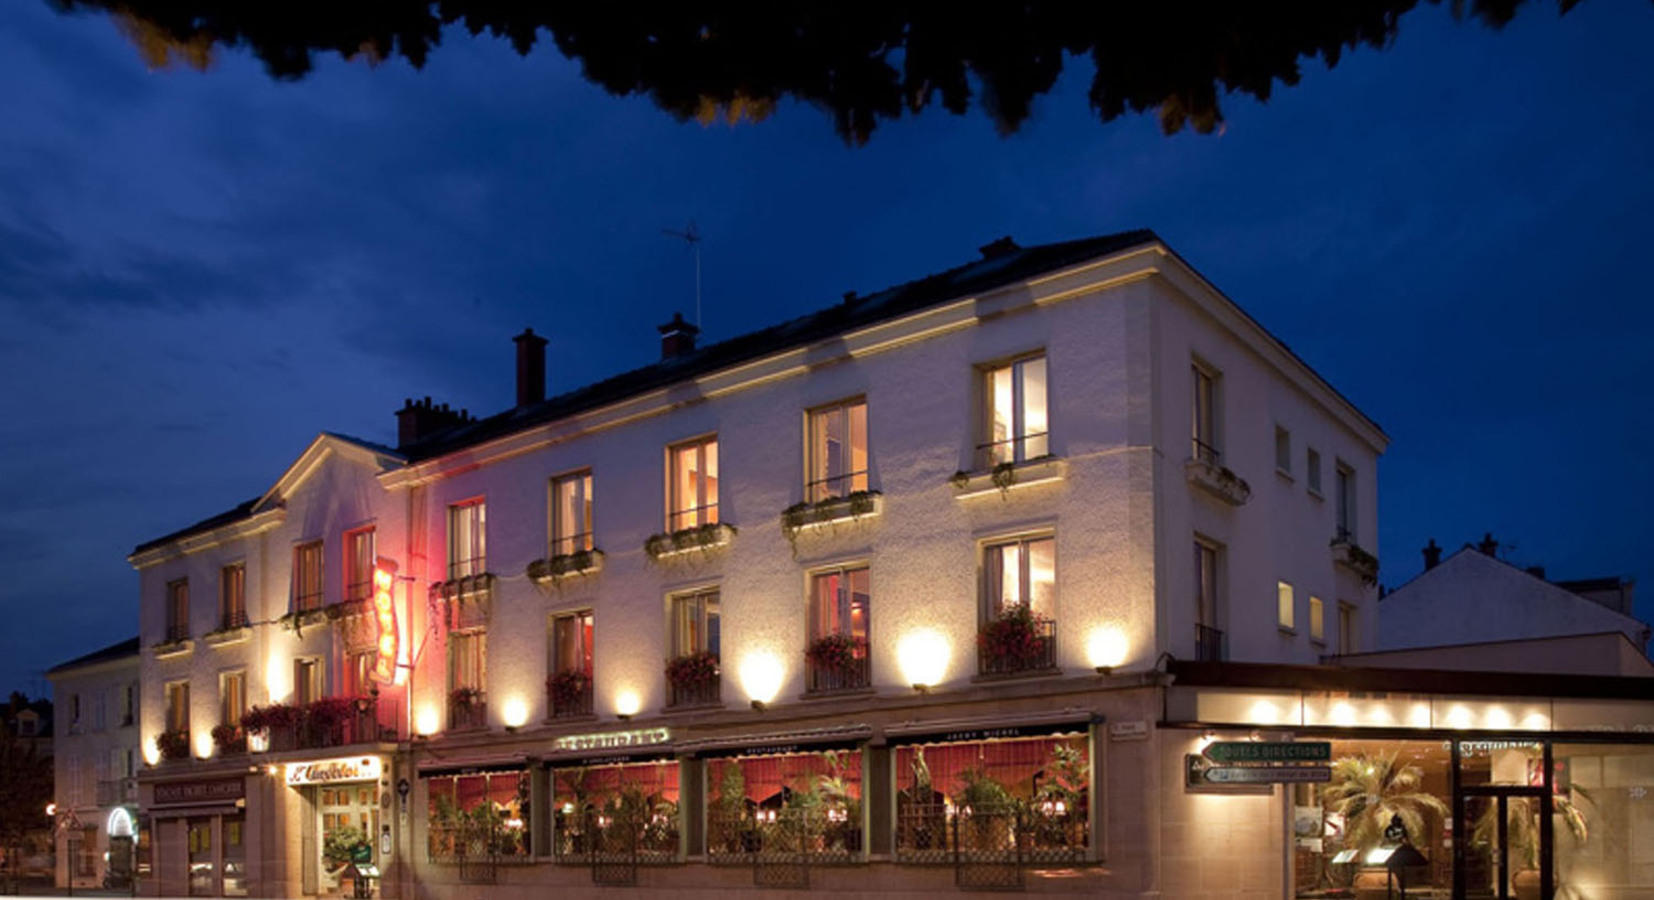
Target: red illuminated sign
384 612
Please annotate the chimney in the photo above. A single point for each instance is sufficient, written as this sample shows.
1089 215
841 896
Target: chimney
1537 572
531 368
1001 247
417 421
1488 545
1432 555
677 338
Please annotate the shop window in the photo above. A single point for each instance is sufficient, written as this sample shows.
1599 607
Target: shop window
616 809
571 513
837 451
467 539
1017 415
232 597
981 799
178 610
235 856
360 558
1336 824
1603 839
794 803
478 816
836 658
349 818
569 688
692 484
202 882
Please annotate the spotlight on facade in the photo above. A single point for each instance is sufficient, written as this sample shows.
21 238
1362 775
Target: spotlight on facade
203 745
1106 647
761 677
923 656
152 753
515 713
426 721
627 703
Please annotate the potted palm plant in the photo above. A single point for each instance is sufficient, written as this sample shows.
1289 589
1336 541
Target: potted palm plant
1367 791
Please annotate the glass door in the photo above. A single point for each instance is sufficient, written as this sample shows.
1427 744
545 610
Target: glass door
1507 852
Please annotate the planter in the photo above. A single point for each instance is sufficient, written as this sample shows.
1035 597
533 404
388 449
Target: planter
1354 558
805 517
705 538
1526 884
1218 481
1372 883
566 565
1007 477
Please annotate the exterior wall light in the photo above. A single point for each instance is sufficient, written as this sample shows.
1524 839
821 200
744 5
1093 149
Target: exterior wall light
1106 648
627 704
514 713
152 752
923 656
761 677
426 721
203 745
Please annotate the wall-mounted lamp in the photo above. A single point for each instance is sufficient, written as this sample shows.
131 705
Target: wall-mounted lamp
624 717
759 705
921 687
923 656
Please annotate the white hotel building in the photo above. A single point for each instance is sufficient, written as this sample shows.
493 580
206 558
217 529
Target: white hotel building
935 588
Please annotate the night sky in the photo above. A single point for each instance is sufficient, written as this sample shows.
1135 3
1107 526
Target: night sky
199 272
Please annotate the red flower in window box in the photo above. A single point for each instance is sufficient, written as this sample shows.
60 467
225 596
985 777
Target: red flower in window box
1018 636
569 687
832 652
173 745
693 670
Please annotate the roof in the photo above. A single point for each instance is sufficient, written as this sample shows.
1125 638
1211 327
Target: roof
122 650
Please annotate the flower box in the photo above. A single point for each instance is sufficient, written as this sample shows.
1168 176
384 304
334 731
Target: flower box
1352 556
565 565
806 516
688 540
1218 480
1016 642
1007 477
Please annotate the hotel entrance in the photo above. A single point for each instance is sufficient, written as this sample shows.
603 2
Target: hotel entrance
343 803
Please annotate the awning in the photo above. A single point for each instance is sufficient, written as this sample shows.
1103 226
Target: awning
472 765
984 728
838 737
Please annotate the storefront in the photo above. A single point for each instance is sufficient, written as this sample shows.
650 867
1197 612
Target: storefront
199 836
616 801
342 802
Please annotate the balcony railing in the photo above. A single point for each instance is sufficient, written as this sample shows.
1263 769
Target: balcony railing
1209 644
470 711
177 632
233 618
571 699
1205 452
698 693
332 722
1013 450
823 676
1022 646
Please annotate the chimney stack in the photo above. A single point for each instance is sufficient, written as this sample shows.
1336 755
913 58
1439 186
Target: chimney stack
1432 555
677 338
417 421
1488 545
1537 572
531 368
1001 247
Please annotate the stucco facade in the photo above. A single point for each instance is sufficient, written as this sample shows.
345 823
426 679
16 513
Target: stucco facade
95 765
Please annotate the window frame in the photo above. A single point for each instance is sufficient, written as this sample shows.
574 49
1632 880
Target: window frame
1206 430
175 696
177 610
1286 603
988 449
232 596
679 517
816 458
315 686
710 627
562 542
585 624
844 602
224 678
990 604
301 597
477 563
358 585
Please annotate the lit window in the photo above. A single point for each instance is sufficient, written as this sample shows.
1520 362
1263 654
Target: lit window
232 697
1317 620
838 451
178 610
1284 605
1204 427
359 670
1283 449
307 681
840 605
467 527
467 664
692 678
232 596
693 484
1345 498
571 513
570 684
307 576
360 557
1018 418
1021 573
695 623
178 705
1312 463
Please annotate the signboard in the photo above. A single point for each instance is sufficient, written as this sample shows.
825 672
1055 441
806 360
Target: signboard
1128 731
613 740
1201 773
1268 752
999 732
190 793
330 771
384 614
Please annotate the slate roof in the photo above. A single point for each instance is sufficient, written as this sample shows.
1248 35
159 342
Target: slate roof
240 511
126 648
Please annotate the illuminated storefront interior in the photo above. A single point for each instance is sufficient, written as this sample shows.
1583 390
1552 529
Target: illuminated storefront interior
806 803
478 815
626 808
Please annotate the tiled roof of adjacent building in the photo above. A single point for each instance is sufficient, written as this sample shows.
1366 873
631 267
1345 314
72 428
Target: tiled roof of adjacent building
126 648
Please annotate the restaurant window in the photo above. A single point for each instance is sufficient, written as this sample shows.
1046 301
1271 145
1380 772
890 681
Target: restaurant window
571 513
616 808
693 675
801 803
307 680
570 684
467 679
467 544
1204 423
475 815
232 597
178 610
360 560
1019 606
692 484
836 657
980 799
1017 415
1603 800
307 577
178 706
837 451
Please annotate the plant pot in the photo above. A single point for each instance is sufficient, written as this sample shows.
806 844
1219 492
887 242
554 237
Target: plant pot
1371 883
1526 884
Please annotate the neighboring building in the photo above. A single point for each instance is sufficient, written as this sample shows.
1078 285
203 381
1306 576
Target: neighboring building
1473 597
25 790
96 765
939 587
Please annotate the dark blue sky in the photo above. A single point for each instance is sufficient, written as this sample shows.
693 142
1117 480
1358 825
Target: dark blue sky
199 272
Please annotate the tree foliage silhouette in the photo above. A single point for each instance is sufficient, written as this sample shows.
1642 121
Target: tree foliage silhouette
864 63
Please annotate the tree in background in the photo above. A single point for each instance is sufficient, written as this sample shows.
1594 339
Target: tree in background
25 780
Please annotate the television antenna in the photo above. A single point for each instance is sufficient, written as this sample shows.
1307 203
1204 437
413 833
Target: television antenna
691 236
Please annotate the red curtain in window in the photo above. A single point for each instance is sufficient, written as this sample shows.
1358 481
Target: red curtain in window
1017 764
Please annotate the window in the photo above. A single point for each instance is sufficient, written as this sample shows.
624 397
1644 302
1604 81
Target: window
178 610
232 697
129 703
467 527
359 671
1317 621
1345 498
1205 415
571 664
232 596
1346 628
695 623
837 451
307 681
1018 418
178 705
840 601
1284 605
571 513
307 577
1208 637
1283 449
693 675
467 660
693 477
1021 573
479 809
1312 463
360 558
74 710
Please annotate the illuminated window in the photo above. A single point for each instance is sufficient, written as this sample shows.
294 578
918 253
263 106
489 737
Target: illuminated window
484 809
467 527
570 685
232 596
633 805
178 610
1312 465
694 673
307 577
1317 620
571 513
307 681
178 705
695 623
692 478
753 805
360 556
1021 573
359 671
468 679
1018 419
840 607
1284 605
837 451
1204 425
1283 449
232 697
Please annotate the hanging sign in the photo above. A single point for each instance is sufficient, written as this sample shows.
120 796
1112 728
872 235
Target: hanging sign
329 771
384 613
